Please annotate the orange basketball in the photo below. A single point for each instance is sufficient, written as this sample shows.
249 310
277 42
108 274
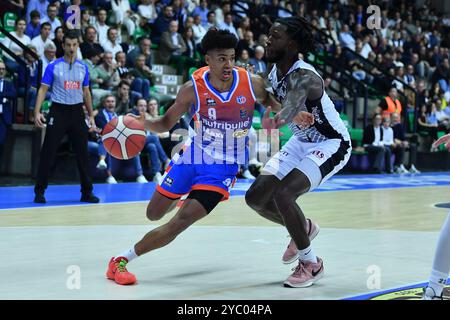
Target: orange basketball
124 137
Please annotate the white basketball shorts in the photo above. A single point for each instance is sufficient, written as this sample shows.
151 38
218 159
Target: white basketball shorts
318 161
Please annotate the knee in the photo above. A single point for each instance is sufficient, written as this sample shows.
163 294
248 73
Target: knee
281 197
152 214
284 198
253 197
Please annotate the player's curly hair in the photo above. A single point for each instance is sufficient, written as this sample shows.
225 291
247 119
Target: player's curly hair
218 39
301 31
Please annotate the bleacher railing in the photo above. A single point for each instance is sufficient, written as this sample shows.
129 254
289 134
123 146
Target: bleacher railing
24 64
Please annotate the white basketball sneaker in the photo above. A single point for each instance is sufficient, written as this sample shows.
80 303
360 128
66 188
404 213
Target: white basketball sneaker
430 294
101 165
111 180
157 178
141 179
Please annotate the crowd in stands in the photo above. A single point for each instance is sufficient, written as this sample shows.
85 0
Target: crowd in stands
121 41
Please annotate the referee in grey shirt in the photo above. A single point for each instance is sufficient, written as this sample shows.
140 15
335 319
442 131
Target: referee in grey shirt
68 79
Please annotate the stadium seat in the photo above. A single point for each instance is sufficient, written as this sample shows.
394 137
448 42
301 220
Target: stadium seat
344 119
9 21
357 136
411 121
134 5
285 135
192 70
442 146
256 124
137 34
45 106
2 36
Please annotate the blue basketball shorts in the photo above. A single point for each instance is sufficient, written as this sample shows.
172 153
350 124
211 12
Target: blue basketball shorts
181 178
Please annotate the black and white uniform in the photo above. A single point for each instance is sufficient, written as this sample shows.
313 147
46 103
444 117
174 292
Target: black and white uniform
318 151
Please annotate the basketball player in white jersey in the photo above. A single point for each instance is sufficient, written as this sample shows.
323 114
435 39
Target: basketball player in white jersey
318 149
441 263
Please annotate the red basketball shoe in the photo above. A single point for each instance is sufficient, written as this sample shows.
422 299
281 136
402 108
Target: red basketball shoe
118 272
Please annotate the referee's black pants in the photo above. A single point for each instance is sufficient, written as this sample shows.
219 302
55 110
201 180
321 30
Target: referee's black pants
64 119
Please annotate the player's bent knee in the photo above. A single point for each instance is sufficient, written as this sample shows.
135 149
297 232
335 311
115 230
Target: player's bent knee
154 214
283 198
253 198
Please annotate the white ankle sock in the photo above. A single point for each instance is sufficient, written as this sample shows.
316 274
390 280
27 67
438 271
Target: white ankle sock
307 254
437 281
130 254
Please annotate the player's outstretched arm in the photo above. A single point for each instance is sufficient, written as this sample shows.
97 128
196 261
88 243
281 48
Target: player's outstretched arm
443 140
267 99
184 100
302 85
261 89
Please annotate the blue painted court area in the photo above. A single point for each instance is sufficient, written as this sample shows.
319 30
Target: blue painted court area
66 195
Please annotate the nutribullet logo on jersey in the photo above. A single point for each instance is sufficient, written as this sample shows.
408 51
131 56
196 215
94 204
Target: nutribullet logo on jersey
221 125
224 146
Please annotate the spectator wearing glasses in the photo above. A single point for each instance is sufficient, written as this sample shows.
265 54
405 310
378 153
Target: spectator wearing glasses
52 18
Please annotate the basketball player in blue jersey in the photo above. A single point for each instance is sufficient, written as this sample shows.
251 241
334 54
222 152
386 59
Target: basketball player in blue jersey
320 145
441 263
220 98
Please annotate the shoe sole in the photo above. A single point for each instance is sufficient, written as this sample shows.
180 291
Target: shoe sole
110 276
311 238
306 284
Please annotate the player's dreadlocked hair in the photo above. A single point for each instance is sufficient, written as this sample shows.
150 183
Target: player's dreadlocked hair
300 30
218 39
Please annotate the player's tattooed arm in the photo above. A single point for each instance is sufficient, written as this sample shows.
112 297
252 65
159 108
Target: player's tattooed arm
184 100
302 85
263 95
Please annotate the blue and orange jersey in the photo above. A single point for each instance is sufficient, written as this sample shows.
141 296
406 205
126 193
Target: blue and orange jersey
222 120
